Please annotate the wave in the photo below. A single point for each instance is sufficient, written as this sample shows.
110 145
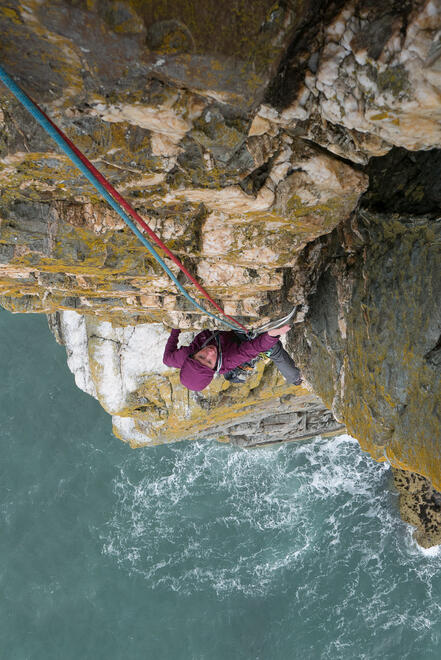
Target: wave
313 524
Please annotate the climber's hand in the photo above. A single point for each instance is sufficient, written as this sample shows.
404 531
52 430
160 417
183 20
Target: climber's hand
276 332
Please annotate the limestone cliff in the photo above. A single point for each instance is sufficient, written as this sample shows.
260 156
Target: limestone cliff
289 155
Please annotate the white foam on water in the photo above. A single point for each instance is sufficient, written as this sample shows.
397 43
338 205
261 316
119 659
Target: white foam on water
416 550
318 521
185 488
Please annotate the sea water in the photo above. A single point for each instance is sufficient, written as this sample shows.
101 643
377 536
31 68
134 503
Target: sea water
195 550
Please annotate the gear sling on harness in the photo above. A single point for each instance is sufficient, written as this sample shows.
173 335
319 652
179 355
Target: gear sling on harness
115 200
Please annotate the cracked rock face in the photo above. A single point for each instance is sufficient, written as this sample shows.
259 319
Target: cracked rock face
370 342
372 80
288 155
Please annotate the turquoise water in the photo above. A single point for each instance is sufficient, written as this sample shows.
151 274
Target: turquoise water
193 551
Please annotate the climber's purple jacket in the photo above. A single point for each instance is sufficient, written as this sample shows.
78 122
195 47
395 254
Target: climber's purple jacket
195 376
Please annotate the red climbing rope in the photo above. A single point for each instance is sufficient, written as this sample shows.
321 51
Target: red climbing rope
131 211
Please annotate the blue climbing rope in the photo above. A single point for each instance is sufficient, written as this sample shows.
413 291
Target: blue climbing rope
35 111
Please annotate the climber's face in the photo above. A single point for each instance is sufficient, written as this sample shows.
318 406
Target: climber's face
207 356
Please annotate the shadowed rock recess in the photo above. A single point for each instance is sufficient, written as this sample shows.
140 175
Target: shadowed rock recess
289 156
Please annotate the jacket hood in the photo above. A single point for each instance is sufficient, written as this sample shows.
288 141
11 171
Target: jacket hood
194 376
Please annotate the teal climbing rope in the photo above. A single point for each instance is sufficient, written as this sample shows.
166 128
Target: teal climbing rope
114 199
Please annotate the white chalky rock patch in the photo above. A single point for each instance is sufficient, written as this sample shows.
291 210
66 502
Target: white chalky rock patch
123 357
158 119
163 145
231 199
74 332
222 274
260 255
125 429
217 235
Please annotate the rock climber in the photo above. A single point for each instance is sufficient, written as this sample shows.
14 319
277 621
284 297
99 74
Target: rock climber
222 352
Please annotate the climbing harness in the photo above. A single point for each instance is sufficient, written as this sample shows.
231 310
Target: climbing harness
244 371
241 373
115 200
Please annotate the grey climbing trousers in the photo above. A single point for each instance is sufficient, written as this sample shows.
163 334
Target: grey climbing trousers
285 364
